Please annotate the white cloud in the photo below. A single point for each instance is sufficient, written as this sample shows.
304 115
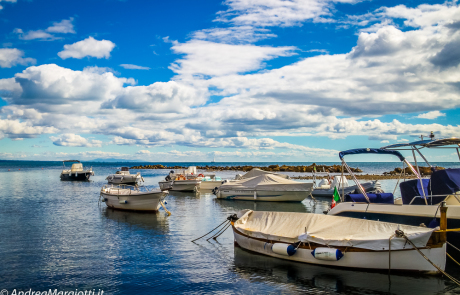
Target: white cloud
74 140
87 47
17 129
217 59
277 12
10 57
134 67
63 27
431 115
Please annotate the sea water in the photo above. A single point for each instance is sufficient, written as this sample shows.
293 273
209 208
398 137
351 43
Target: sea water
56 235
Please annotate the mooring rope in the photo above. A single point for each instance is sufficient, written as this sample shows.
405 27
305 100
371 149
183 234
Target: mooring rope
427 259
220 232
210 231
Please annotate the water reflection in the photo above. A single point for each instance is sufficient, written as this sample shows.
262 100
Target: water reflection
301 277
157 221
237 205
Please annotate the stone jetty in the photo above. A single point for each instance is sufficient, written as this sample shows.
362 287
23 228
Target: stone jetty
272 168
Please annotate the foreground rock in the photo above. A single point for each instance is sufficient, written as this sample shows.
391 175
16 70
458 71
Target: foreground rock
273 168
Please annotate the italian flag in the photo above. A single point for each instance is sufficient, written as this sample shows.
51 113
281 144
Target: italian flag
335 197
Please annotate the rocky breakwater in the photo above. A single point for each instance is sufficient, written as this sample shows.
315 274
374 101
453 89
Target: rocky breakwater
272 168
424 171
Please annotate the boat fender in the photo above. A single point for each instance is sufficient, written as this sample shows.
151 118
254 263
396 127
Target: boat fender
284 249
123 202
324 253
103 200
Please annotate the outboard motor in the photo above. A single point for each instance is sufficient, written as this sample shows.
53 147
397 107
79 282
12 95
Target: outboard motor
215 190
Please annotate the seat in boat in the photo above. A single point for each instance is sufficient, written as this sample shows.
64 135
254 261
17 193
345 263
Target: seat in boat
383 198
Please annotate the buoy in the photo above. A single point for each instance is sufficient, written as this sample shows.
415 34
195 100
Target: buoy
324 253
284 249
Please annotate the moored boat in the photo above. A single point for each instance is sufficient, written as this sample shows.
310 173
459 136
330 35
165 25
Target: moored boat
265 187
124 177
76 172
134 198
420 198
325 188
340 241
187 180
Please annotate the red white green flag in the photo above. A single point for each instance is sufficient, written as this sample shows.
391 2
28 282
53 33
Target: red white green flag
335 197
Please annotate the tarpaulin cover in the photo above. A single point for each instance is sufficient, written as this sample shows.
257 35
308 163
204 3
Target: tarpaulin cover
411 188
266 182
383 198
371 151
445 181
256 172
328 230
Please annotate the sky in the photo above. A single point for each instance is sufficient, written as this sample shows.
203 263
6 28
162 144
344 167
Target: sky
234 80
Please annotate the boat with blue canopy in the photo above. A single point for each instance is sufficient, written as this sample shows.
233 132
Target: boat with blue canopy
420 198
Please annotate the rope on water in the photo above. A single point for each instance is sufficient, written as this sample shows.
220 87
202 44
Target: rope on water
427 259
448 255
210 231
221 232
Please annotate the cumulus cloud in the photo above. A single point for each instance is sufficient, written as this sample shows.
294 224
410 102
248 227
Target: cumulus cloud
63 27
134 67
10 57
431 115
74 140
87 47
217 59
277 12
16 129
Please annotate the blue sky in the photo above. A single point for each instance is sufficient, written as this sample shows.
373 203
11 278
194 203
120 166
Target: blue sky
259 80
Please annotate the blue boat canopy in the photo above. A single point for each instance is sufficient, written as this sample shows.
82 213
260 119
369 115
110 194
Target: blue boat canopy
370 151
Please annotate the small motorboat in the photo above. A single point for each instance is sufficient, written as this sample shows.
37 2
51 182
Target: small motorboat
135 198
76 172
210 181
265 187
341 241
325 188
186 181
124 177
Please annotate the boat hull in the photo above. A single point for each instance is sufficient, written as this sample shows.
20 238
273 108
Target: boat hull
210 184
123 179
264 196
148 201
367 186
185 185
80 176
402 214
407 260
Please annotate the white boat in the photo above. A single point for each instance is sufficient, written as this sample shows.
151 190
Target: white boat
421 197
76 172
125 197
124 177
340 241
187 180
265 187
325 188
210 181
256 172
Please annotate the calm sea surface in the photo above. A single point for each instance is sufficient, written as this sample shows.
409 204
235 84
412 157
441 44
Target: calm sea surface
54 235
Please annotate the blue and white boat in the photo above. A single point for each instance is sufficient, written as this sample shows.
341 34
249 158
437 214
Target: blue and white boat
420 198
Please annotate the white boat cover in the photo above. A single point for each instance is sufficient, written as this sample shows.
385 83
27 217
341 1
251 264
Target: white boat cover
267 182
328 230
256 172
